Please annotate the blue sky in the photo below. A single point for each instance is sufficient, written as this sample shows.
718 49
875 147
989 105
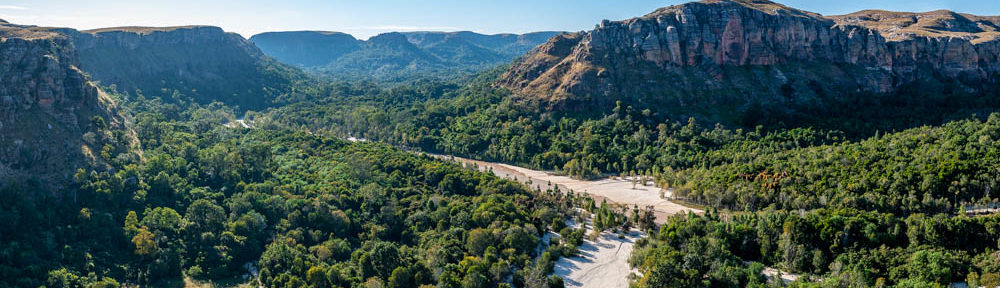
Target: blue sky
369 17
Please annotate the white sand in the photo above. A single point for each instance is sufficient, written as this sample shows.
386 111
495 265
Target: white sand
238 123
601 264
614 190
785 277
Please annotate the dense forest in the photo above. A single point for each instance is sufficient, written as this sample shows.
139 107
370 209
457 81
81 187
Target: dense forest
840 247
209 202
287 203
860 208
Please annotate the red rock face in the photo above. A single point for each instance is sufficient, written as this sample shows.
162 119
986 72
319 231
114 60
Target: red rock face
631 57
40 72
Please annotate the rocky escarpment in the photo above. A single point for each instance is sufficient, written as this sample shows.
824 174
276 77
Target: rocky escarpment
953 44
396 56
201 63
40 73
47 105
736 54
902 26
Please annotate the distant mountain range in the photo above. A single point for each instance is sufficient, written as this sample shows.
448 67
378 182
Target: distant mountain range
398 55
732 61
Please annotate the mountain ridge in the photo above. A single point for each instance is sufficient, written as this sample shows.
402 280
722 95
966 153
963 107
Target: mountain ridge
297 50
147 29
440 53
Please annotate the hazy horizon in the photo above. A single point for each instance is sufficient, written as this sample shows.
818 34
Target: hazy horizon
363 20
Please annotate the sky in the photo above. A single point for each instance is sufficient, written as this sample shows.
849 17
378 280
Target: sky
366 18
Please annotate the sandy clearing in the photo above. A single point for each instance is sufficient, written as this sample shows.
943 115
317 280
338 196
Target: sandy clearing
614 190
238 123
602 263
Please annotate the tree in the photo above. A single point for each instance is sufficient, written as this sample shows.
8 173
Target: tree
380 259
131 224
401 277
478 240
163 221
556 282
316 276
144 243
931 266
475 279
666 268
203 216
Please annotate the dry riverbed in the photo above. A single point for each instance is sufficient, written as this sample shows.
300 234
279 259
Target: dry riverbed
614 190
602 263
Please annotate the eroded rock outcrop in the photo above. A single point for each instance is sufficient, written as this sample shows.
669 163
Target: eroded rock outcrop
737 53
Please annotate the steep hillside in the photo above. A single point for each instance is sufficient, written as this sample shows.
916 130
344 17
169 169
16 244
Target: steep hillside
53 119
732 60
200 62
396 56
387 56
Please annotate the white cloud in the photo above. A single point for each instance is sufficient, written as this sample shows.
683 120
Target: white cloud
12 7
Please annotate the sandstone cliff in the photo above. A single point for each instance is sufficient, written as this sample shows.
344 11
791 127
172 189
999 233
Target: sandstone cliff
732 55
47 105
954 44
